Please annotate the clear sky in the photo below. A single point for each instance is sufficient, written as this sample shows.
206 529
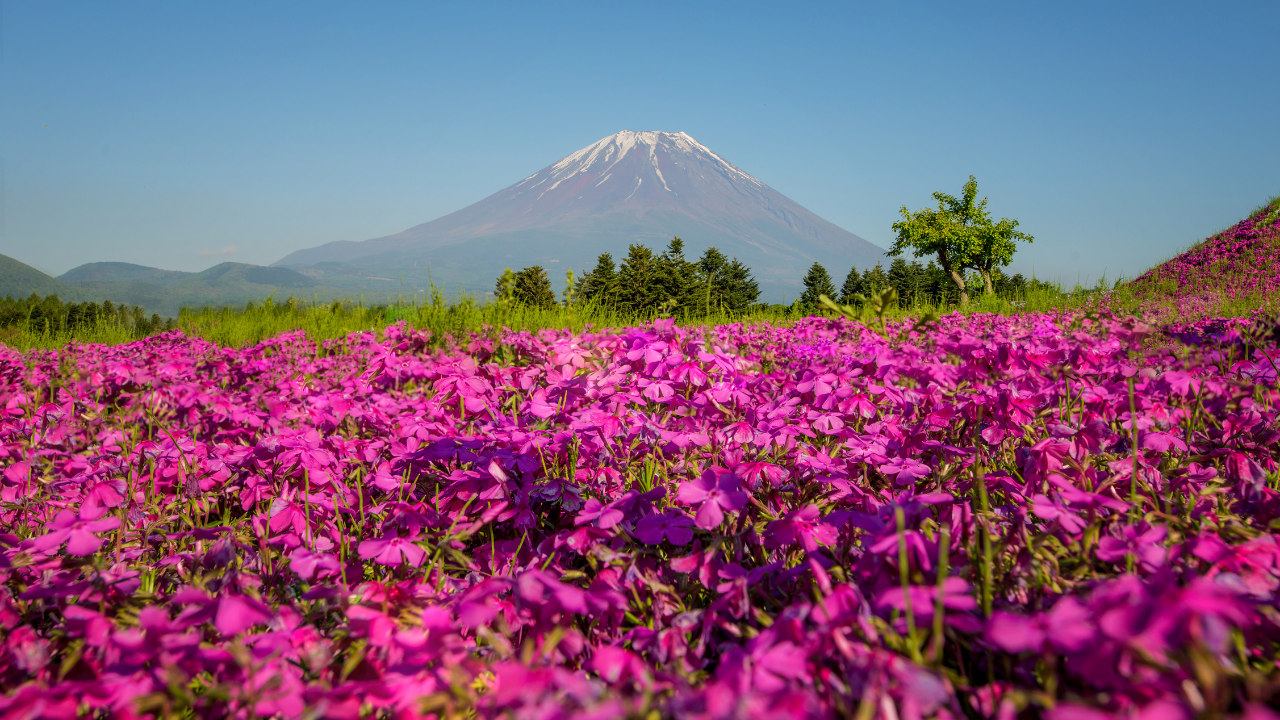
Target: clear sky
179 135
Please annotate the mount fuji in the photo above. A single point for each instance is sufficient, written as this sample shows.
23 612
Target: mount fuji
632 187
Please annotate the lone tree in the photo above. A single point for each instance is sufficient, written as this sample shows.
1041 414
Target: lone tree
961 233
816 283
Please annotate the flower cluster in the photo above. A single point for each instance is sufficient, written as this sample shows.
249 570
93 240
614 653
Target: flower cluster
998 515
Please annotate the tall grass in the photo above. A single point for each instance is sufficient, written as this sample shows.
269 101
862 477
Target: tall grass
239 327
105 332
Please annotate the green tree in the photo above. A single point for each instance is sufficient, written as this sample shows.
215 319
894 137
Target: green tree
961 233
530 287
874 280
816 283
721 283
741 289
676 275
852 286
902 278
600 284
997 246
641 289
533 288
712 280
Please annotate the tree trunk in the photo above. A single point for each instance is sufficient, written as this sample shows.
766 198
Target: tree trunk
956 277
986 277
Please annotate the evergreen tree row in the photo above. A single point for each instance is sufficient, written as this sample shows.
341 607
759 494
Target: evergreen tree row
646 283
915 283
50 314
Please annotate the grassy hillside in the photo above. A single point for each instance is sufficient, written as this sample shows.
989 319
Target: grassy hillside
1233 273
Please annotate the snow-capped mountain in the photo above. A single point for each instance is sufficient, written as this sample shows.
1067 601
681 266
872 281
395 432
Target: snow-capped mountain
630 187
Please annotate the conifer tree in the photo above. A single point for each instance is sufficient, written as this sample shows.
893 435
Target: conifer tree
640 288
532 288
721 283
742 290
852 286
676 275
874 280
902 277
817 282
600 284
713 280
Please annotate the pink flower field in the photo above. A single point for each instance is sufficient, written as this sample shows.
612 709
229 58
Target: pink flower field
1031 516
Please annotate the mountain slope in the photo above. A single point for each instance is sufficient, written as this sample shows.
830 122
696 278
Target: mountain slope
626 188
17 279
166 291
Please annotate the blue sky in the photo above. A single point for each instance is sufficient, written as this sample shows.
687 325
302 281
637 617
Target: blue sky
165 133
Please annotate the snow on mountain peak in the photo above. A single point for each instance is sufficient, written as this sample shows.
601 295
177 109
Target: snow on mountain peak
600 156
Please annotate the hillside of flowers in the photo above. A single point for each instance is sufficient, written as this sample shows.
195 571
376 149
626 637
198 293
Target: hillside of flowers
994 517
1237 269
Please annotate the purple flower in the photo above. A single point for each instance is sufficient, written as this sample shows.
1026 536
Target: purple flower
1068 627
237 613
312 565
905 470
672 524
604 516
716 492
1048 509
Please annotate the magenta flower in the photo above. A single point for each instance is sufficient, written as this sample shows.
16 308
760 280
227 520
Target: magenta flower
237 613
714 493
392 551
79 535
615 665
274 501
1143 542
1048 509
312 565
802 525
672 524
1068 627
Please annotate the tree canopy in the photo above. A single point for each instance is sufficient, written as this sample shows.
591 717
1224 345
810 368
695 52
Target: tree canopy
961 233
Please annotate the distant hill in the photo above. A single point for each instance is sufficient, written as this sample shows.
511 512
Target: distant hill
119 272
17 279
166 291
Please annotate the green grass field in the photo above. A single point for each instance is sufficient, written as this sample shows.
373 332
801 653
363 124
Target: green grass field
238 327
